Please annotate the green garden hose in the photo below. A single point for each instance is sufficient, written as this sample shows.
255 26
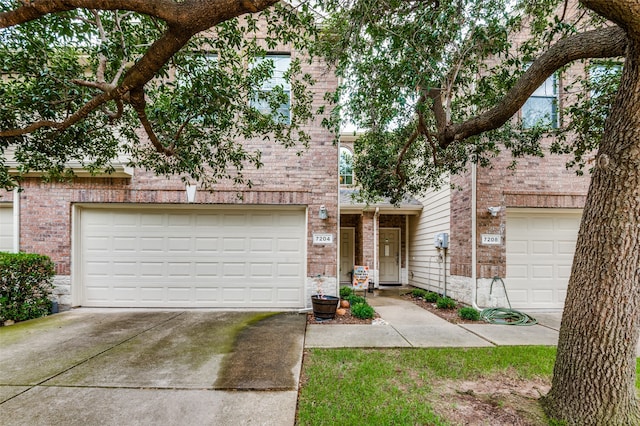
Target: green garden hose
506 316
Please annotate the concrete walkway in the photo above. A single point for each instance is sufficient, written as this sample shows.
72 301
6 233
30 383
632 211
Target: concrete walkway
407 325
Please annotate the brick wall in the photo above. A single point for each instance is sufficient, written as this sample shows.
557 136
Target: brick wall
285 179
535 183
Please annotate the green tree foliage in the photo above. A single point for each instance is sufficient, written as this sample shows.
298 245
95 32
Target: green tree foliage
96 86
413 68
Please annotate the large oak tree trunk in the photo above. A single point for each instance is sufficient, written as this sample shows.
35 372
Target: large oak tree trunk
594 376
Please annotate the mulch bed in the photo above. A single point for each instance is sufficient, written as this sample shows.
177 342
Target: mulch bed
450 315
341 319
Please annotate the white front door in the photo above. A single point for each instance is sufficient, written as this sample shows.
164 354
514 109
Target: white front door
347 253
389 254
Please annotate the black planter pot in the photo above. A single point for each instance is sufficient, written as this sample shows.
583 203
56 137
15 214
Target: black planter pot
324 307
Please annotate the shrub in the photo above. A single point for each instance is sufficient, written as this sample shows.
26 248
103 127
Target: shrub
445 303
362 310
418 292
355 299
469 313
431 297
345 292
25 282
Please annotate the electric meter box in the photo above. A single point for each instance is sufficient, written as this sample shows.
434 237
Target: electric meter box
441 240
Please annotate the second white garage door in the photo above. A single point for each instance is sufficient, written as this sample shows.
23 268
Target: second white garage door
6 227
540 248
223 258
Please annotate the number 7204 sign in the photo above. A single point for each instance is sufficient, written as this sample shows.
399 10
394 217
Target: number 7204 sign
322 238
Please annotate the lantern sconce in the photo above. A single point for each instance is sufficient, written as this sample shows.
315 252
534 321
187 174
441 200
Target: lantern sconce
494 210
322 213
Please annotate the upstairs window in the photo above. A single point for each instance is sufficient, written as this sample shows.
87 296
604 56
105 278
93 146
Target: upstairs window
541 109
346 167
277 84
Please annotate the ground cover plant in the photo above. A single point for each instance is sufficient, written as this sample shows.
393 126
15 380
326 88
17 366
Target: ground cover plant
434 386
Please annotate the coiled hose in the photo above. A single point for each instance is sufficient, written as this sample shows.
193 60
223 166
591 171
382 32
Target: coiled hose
506 316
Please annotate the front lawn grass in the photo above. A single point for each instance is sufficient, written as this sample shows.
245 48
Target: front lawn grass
394 386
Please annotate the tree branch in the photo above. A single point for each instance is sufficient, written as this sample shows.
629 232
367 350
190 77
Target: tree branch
601 43
139 104
162 9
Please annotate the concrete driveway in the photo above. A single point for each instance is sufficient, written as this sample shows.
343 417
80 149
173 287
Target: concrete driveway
126 367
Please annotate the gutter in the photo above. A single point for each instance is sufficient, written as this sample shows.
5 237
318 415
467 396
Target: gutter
16 221
474 237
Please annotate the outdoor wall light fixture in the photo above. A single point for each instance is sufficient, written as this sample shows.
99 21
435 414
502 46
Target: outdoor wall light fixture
191 192
494 210
322 213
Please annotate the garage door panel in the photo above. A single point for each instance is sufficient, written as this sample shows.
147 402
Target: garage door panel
193 258
541 273
207 245
567 247
261 245
517 271
564 272
541 247
542 296
517 296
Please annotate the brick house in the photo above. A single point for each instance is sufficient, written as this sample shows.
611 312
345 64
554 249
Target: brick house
518 225
132 239
375 235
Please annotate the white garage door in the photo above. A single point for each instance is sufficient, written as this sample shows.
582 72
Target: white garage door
192 258
540 248
6 227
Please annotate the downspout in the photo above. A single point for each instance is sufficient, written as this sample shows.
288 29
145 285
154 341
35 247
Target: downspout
16 221
338 222
406 249
474 237
375 247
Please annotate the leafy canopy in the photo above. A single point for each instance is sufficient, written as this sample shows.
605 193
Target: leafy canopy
412 68
189 119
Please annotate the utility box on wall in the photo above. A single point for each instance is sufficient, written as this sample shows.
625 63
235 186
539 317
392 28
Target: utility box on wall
441 240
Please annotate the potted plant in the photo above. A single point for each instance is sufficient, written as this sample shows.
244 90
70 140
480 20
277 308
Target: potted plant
324 307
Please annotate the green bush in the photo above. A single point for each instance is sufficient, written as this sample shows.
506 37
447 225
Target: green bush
431 297
355 299
418 292
345 292
25 283
469 313
362 310
445 303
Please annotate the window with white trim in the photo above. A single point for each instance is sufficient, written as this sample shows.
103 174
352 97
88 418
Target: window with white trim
541 109
278 82
346 166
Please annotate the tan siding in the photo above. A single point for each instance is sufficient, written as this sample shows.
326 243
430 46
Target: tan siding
424 268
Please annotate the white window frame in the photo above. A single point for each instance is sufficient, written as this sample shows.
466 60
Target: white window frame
281 62
548 91
345 175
